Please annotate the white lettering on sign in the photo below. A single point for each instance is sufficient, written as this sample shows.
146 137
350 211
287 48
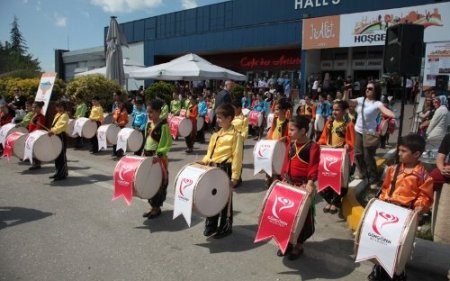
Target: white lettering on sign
325 31
303 4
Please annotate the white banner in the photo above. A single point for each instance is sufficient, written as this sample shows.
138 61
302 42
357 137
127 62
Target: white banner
29 144
369 28
437 62
101 137
263 155
122 138
78 127
44 91
381 234
4 132
184 191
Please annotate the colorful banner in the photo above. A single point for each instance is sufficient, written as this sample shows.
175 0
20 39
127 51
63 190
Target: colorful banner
29 144
254 118
381 234
122 138
270 118
263 155
44 91
278 218
184 191
369 28
4 130
9 144
331 169
437 62
124 175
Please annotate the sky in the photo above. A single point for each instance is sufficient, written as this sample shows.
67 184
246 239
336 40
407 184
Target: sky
47 25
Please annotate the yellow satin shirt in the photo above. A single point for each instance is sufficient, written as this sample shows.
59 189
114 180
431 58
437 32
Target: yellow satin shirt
96 113
226 146
276 135
240 123
60 123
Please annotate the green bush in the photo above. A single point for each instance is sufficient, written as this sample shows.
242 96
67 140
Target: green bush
238 92
29 87
160 87
86 87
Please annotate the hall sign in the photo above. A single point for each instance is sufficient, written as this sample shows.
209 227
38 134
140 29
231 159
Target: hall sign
303 4
369 28
257 62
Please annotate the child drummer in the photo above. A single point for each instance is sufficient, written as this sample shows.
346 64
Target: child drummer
407 184
338 133
301 168
224 151
157 144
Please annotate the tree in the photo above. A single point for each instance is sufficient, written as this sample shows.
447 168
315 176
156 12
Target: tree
18 43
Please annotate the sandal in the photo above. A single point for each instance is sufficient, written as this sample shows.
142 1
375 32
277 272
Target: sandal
327 208
295 253
333 210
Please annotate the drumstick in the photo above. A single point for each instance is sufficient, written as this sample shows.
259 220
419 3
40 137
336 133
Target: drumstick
45 128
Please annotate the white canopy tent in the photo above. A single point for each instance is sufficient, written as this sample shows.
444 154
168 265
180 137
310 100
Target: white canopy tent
189 67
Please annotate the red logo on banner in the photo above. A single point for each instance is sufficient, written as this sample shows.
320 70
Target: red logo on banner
124 178
185 183
101 135
330 170
381 219
279 214
263 150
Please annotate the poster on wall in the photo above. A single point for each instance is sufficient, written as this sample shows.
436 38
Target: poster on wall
437 62
369 28
44 91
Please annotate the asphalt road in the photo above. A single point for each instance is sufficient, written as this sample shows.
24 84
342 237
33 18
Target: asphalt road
72 230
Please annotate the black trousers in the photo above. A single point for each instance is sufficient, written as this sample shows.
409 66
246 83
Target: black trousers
62 170
223 215
94 140
331 197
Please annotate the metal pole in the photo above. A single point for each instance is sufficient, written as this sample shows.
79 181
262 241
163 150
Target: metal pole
402 111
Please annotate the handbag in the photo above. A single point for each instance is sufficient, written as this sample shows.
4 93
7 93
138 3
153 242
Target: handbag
369 140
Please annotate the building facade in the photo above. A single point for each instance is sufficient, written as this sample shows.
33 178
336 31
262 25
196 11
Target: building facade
263 38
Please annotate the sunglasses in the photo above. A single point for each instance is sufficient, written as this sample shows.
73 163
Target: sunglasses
369 88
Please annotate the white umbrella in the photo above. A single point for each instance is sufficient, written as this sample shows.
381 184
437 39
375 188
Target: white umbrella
115 40
128 66
188 67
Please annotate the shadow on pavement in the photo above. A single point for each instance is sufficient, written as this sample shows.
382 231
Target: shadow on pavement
19 215
238 241
252 186
165 223
78 181
333 256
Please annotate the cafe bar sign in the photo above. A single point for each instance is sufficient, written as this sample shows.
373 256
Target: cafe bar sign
304 4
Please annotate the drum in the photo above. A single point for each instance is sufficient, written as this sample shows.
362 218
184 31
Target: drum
245 111
211 187
270 118
200 123
129 139
378 216
383 127
327 172
108 118
319 123
43 147
183 113
110 131
146 179
70 129
180 126
15 144
269 156
300 214
9 128
255 118
85 127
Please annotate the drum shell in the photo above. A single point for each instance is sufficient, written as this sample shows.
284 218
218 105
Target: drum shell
70 129
407 238
46 148
200 123
89 127
184 127
111 132
135 139
270 118
19 146
14 129
277 154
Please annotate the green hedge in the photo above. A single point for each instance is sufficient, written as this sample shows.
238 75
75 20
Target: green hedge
29 87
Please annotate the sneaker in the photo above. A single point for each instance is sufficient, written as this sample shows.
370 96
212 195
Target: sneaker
374 186
357 175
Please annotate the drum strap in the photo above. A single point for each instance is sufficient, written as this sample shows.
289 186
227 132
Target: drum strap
394 180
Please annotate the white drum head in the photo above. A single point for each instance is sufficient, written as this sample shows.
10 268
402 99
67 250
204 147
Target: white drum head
409 234
135 140
319 123
278 155
89 129
19 146
185 127
200 123
47 148
245 111
148 179
212 192
108 118
111 133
